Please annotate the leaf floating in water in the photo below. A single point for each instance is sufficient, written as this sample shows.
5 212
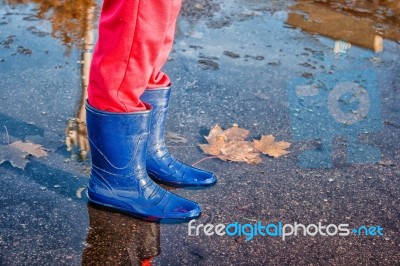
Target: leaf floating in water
240 151
14 156
30 148
231 145
267 145
235 133
17 152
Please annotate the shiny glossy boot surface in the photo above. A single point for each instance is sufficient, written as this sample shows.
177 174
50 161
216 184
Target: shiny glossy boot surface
118 177
161 165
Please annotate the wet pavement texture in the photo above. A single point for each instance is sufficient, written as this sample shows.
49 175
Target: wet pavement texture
323 75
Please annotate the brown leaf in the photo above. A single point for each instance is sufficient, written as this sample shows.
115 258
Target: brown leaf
235 133
214 132
215 146
35 150
13 156
239 151
230 145
215 140
16 153
268 145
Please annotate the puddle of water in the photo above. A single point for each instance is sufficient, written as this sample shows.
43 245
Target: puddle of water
73 25
70 21
364 23
253 48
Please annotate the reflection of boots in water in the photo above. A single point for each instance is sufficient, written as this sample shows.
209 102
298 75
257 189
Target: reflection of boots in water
117 239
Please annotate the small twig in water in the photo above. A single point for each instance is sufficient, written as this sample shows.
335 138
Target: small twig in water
204 159
8 136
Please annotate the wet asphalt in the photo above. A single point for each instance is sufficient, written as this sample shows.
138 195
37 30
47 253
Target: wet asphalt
233 62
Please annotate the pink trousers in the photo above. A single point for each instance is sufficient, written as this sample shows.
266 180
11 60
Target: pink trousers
135 38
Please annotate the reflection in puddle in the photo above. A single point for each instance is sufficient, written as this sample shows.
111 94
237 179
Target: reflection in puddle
70 20
362 23
343 102
117 239
76 131
76 139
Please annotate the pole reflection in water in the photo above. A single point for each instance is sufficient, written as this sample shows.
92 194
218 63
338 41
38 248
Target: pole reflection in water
76 131
69 19
117 239
72 22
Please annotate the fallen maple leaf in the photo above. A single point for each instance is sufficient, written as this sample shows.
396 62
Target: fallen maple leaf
214 147
216 141
230 145
35 150
268 145
240 151
14 156
215 132
16 153
235 133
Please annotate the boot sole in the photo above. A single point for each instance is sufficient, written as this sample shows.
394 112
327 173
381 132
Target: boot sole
141 216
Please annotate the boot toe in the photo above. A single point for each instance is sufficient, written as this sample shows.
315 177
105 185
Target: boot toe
199 177
177 173
181 208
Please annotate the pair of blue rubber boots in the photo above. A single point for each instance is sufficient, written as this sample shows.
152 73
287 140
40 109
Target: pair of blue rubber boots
126 149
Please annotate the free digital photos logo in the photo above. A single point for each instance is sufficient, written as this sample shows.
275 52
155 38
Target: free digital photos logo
282 230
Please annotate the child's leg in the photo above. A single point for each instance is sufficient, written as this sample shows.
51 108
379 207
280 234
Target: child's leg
131 46
158 78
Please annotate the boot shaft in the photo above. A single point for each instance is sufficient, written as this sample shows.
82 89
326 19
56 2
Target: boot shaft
118 141
118 177
159 100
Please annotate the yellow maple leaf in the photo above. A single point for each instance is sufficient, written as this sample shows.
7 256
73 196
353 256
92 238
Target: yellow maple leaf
267 145
235 133
230 145
214 147
240 151
215 141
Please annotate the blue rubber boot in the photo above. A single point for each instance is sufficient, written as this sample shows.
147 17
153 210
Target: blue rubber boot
118 177
161 165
